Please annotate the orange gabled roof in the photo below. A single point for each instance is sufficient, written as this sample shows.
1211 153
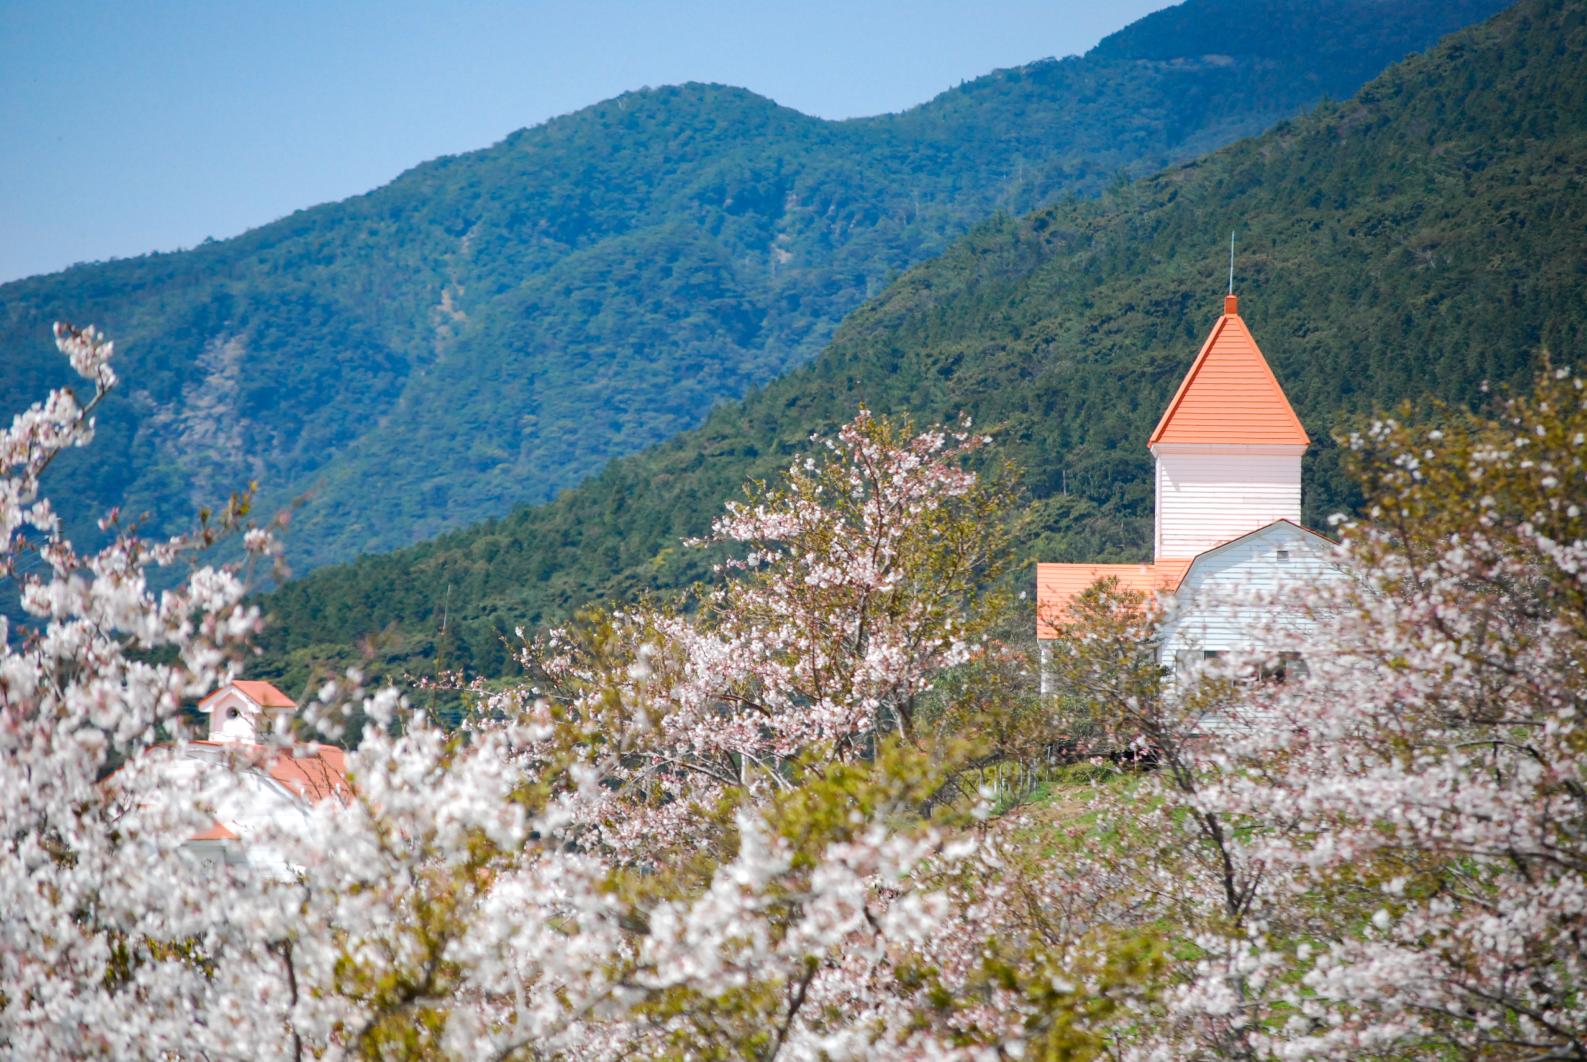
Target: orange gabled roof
311 770
260 692
1059 584
1230 395
313 774
217 832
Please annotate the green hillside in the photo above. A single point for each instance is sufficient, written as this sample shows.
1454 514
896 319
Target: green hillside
491 328
1410 243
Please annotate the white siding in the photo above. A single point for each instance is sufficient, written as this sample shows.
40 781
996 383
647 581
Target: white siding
1245 598
232 717
1208 497
247 801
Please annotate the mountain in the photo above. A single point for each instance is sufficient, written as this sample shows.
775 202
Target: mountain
492 328
1409 244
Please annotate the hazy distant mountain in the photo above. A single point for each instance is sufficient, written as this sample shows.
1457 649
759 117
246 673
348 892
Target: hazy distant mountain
491 328
1408 244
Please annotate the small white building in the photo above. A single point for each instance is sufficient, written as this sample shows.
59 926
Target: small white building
1232 564
252 776
246 710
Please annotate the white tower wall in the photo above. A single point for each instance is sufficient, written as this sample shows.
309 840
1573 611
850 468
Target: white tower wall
1209 494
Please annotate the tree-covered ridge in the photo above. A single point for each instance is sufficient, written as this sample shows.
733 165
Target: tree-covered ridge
491 328
1414 242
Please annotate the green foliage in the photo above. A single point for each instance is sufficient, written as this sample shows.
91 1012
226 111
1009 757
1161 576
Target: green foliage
823 804
492 328
1407 245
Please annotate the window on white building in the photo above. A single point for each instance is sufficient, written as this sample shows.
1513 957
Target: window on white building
1285 667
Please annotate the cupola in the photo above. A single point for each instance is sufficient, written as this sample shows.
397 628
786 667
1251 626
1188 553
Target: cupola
247 711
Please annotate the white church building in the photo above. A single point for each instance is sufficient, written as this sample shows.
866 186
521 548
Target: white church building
1232 562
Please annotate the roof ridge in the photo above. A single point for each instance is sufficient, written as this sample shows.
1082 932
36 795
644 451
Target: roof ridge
261 692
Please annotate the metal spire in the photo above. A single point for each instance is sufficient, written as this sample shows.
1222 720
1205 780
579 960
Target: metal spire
1231 261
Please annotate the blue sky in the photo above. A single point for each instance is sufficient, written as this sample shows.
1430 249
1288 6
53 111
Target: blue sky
136 126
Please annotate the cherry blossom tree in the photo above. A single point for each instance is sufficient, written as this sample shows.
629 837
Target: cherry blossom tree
96 676
855 582
1386 858
506 890
1433 776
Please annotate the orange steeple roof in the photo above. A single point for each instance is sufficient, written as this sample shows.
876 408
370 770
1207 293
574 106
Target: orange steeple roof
1230 396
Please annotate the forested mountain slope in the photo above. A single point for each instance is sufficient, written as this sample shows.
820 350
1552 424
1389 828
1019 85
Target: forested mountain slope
1411 243
493 327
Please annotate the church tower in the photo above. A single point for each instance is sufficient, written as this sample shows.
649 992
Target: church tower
1228 447
1228 452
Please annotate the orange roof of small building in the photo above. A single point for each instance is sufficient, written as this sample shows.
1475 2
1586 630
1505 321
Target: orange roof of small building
1059 584
1230 395
259 691
321 774
311 770
216 832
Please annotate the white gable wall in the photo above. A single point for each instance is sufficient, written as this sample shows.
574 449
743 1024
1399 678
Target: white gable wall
235 717
232 717
248 802
1245 597
1208 495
